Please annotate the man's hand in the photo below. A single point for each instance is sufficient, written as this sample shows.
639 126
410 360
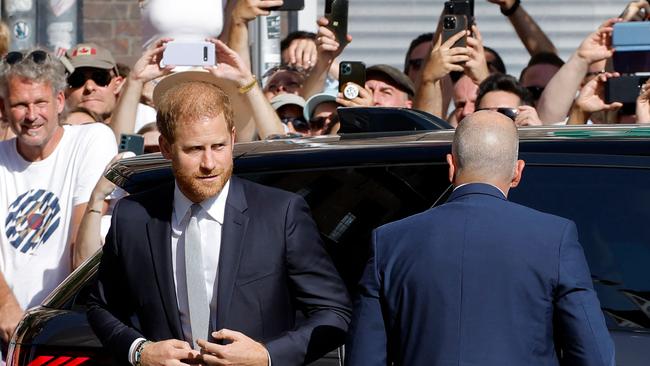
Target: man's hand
643 104
364 99
148 66
171 352
592 95
302 53
598 45
328 47
527 116
444 58
247 10
10 315
476 68
231 66
241 351
504 4
636 11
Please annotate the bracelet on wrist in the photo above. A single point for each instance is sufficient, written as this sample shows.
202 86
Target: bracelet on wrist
138 352
92 210
512 10
246 88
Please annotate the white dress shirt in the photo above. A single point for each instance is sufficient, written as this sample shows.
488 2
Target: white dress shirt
210 219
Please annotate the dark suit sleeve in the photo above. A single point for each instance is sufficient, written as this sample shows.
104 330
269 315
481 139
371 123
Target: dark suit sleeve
317 289
108 304
581 330
367 340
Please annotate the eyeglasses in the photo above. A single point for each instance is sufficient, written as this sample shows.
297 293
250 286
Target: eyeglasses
100 77
535 91
37 57
511 113
298 123
416 63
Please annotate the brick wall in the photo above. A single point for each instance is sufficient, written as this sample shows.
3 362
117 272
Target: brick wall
114 24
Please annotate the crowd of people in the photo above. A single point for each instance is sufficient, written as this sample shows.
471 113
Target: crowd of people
63 118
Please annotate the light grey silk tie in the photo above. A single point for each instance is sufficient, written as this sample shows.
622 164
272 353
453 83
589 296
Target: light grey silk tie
197 297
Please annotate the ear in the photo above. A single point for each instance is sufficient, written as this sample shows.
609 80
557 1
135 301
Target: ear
233 135
452 167
60 100
119 83
519 169
409 103
165 147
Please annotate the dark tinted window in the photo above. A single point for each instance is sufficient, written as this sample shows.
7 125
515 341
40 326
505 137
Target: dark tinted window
611 207
348 203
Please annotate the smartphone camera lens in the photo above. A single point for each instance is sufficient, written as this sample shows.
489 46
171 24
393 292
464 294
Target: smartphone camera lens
449 23
205 53
346 69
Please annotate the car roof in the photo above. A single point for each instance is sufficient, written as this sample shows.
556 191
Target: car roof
376 148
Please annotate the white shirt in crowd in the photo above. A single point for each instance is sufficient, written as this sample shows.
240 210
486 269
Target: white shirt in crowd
36 204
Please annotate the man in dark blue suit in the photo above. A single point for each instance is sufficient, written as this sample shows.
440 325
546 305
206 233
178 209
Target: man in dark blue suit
479 280
255 250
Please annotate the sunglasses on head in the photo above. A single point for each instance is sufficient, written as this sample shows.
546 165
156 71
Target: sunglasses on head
511 113
37 57
100 77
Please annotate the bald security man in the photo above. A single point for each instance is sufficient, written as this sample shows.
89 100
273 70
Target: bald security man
479 280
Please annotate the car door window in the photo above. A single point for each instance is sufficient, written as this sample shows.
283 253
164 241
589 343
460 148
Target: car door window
611 208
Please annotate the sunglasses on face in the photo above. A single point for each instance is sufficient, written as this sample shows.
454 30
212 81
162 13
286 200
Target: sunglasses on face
511 113
298 123
37 57
100 77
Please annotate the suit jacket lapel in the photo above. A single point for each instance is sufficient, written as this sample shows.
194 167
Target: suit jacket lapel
159 234
232 234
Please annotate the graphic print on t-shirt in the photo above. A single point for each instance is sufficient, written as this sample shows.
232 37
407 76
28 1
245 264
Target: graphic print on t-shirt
32 218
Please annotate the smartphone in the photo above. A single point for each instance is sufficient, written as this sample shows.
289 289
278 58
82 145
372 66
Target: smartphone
290 5
452 24
189 54
460 7
625 89
351 71
131 142
336 12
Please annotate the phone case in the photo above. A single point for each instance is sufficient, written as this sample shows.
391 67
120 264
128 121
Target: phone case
189 54
290 5
351 71
452 24
336 12
131 142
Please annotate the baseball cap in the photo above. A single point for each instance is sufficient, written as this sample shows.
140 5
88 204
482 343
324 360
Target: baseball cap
314 101
91 55
181 77
399 79
285 99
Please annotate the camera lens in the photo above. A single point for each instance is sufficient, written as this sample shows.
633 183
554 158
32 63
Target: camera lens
449 23
346 69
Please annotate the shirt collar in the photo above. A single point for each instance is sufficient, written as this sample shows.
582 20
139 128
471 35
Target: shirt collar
214 206
464 184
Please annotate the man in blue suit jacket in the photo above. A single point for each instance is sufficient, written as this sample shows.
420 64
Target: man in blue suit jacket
479 280
261 255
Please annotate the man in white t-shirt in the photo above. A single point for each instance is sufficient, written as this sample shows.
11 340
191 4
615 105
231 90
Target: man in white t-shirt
47 173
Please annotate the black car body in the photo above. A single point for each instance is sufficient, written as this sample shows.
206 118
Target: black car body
597 176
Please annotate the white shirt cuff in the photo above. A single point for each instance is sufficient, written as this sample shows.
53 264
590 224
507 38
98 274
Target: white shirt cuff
132 350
